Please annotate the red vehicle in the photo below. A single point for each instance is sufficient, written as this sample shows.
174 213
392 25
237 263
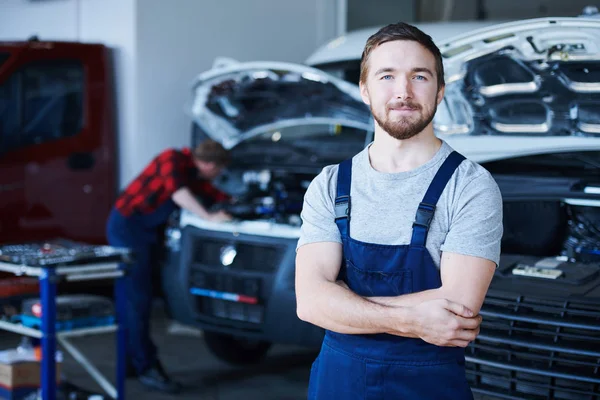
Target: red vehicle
58 155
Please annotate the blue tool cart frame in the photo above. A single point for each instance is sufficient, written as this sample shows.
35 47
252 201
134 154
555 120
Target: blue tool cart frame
49 276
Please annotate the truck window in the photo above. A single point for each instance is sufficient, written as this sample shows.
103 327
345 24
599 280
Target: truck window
9 114
41 102
52 101
3 58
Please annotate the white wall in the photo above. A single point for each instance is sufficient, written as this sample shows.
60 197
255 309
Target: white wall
114 23
175 44
20 19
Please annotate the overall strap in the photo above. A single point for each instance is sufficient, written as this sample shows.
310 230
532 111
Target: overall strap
427 207
342 199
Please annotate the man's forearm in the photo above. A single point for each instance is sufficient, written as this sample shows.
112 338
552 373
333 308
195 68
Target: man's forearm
185 199
405 300
338 309
408 300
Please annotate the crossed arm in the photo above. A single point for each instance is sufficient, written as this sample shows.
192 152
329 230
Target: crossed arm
447 316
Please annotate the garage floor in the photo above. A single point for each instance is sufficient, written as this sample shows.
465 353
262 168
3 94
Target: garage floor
282 376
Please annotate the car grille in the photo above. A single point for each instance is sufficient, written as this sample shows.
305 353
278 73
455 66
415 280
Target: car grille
249 274
250 256
251 313
536 349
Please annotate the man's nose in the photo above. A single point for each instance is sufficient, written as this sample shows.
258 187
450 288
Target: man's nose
403 88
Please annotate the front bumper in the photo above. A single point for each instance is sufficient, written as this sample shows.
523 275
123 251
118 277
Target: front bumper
262 272
539 339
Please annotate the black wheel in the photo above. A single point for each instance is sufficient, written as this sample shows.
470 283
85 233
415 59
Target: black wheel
236 350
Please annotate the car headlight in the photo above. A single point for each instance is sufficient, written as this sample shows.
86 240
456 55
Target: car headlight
173 238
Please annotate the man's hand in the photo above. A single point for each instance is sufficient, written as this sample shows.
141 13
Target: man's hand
219 216
445 323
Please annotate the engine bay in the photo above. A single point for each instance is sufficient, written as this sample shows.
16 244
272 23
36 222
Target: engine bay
582 242
265 194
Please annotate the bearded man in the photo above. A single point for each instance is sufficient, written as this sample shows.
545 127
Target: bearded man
398 244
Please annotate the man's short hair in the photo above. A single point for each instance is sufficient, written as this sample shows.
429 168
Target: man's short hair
212 151
402 31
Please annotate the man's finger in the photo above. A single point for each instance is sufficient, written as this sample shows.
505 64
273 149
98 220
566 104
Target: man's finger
465 334
458 309
458 343
469 323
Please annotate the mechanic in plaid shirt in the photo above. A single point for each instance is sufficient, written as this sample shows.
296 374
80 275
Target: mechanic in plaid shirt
169 181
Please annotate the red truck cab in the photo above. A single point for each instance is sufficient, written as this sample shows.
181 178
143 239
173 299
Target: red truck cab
58 145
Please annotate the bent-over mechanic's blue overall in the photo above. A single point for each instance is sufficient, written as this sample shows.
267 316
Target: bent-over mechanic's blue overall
384 366
139 233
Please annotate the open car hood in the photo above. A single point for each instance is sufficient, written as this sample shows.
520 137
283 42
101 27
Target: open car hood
236 101
521 88
514 89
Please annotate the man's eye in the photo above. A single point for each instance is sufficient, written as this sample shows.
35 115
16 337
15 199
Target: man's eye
420 78
386 77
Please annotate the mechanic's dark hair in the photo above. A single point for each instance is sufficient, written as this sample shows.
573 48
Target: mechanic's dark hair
212 151
402 31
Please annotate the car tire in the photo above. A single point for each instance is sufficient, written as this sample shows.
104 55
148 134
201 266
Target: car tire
236 350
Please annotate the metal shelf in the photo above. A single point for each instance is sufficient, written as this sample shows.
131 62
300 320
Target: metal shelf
71 273
49 277
35 333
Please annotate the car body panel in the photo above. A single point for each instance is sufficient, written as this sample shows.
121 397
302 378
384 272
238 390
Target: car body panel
226 98
348 46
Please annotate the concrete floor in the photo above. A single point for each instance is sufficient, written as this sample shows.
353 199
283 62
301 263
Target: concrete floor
282 376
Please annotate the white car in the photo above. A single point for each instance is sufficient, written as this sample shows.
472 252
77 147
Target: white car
522 98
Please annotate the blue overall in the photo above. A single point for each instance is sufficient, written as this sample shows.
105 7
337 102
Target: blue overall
384 366
139 233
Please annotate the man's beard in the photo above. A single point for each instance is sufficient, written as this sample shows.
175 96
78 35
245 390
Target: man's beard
404 128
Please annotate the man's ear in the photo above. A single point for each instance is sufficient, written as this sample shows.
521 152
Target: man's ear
440 94
364 93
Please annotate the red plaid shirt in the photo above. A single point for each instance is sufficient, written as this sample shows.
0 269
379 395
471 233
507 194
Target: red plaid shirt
169 171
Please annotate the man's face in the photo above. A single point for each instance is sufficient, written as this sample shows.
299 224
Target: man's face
401 88
208 170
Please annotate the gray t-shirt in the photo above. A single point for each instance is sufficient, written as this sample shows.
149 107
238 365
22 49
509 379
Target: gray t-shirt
467 219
